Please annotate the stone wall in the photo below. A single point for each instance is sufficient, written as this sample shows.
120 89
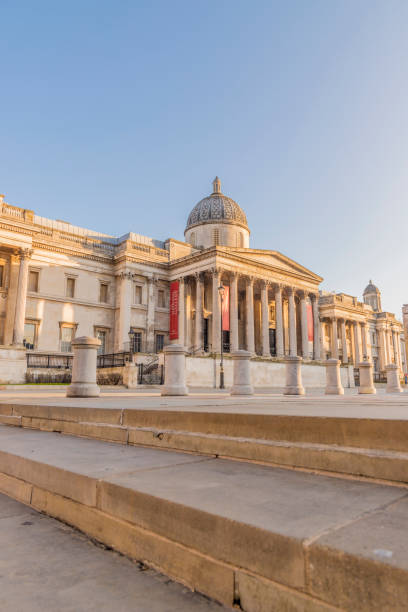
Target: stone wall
204 372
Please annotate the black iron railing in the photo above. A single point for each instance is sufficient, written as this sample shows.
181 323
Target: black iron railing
58 362
113 360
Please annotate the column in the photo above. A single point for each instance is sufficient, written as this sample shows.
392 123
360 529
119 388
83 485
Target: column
216 313
18 332
368 343
316 327
198 342
181 314
12 286
303 318
292 323
364 348
344 340
279 321
356 344
250 324
399 350
151 306
234 312
334 339
394 346
124 301
266 350
383 354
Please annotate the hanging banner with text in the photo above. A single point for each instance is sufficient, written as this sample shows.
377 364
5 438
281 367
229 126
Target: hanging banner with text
309 322
174 307
225 310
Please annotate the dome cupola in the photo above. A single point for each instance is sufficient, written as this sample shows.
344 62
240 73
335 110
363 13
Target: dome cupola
217 220
372 296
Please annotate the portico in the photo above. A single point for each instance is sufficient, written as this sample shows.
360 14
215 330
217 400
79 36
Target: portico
268 309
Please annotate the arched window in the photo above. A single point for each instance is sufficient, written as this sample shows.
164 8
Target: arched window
240 240
216 236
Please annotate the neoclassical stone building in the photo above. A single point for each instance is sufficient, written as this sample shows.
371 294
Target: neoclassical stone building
58 281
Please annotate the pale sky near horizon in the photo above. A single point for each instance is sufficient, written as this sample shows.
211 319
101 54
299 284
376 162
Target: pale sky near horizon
117 115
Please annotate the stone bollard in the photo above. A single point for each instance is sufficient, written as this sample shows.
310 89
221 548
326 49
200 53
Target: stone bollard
174 370
242 373
366 378
293 376
393 382
84 368
333 380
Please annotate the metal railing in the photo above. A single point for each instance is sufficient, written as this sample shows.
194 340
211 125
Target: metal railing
113 360
58 362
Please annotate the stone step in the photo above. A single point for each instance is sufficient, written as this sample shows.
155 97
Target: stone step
361 447
254 536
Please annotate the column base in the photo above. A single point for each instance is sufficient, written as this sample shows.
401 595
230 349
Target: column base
367 390
334 390
83 390
242 390
175 390
296 390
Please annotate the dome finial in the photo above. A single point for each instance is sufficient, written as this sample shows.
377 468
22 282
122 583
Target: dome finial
216 185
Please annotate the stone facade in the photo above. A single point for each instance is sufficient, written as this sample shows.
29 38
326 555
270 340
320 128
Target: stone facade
59 281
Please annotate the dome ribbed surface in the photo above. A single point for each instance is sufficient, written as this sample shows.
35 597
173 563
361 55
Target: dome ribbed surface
217 207
371 288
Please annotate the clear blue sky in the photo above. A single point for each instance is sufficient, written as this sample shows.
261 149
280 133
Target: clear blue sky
117 115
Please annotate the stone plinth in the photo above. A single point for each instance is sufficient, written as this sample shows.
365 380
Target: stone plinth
393 382
242 373
84 368
293 376
366 378
13 365
333 380
174 370
131 375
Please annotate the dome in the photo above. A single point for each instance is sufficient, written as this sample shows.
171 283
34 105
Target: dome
371 288
217 208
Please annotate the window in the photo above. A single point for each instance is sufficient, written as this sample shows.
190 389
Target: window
1 276
101 335
103 293
193 239
240 240
33 281
161 298
67 334
138 294
29 336
136 342
216 237
70 287
159 342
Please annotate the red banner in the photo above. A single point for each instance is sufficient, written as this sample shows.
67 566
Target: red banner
225 310
174 307
309 322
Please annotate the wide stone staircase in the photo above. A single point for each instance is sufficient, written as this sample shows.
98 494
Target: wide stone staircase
260 512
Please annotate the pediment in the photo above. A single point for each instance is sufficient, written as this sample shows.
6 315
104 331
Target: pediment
277 260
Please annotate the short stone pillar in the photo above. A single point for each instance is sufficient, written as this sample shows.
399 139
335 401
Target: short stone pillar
393 382
84 367
293 376
366 378
333 379
242 373
131 375
174 370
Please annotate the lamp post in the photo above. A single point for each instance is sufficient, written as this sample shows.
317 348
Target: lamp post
221 291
